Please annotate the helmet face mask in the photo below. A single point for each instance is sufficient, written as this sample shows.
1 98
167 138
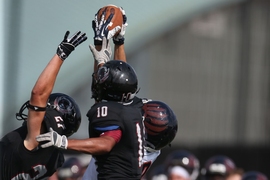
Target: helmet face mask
21 115
160 124
115 81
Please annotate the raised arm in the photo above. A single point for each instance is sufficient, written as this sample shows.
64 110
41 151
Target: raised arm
119 49
44 86
119 53
101 50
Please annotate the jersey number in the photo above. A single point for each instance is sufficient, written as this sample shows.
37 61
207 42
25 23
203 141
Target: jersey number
36 173
59 122
102 111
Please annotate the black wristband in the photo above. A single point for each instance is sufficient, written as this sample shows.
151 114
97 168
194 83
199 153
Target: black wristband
119 42
35 108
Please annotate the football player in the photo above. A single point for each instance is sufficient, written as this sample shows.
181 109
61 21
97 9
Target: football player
159 119
115 128
21 157
184 159
217 168
160 129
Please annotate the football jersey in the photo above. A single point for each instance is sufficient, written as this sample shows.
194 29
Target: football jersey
148 160
124 161
18 163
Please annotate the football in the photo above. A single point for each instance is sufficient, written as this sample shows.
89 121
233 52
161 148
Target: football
117 19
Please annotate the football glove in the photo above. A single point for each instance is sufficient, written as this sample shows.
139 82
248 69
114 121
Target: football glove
101 28
69 44
104 55
52 138
119 40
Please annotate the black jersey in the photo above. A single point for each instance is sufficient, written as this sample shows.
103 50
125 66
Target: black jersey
125 159
18 163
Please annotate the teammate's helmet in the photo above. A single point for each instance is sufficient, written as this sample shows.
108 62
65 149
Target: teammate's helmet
218 165
186 160
62 114
115 81
254 175
71 169
160 124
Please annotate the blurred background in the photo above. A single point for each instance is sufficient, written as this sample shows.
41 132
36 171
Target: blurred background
207 59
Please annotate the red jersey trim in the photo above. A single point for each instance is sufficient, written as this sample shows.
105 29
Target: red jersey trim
115 134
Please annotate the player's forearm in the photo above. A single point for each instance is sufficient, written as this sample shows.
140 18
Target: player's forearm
94 146
119 53
45 82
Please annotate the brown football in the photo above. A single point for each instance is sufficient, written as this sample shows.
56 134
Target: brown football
117 19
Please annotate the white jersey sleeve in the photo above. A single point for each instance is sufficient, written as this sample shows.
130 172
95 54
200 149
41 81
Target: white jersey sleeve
148 159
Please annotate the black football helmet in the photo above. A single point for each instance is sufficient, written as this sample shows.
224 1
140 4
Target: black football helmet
185 159
219 165
58 105
254 175
160 124
115 81
69 110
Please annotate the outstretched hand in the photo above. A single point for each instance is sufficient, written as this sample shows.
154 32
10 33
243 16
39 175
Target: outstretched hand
68 44
101 28
52 138
104 55
119 39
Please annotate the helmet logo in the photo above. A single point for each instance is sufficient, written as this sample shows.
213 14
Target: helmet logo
103 74
63 105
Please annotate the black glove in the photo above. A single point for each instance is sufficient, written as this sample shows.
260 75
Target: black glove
69 44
